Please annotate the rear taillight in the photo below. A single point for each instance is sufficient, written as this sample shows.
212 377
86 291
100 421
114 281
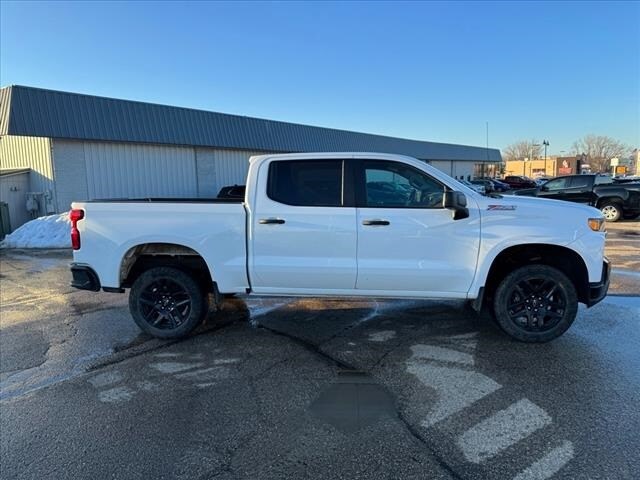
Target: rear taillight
74 216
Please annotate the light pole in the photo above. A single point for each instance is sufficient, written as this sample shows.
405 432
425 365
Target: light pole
533 146
546 144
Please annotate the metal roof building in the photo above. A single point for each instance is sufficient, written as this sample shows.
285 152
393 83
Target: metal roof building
82 146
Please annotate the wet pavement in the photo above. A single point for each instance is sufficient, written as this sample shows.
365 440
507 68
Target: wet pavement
623 248
309 388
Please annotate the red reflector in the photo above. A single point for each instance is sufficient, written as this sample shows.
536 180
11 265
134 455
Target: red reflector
74 216
75 238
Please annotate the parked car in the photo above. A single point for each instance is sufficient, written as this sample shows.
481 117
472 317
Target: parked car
615 200
312 225
498 186
487 185
517 181
475 187
541 180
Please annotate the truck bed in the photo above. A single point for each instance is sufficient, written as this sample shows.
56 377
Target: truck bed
212 228
165 200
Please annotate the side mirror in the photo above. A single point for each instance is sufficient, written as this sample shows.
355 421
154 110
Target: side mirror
544 188
457 203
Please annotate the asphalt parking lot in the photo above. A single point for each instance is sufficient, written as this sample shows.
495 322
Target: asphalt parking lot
287 388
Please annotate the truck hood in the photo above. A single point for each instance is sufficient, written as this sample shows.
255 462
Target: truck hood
556 215
539 203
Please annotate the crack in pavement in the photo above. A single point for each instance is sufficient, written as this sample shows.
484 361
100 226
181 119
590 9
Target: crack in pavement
316 348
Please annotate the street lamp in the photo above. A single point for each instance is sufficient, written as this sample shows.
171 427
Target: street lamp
533 146
546 144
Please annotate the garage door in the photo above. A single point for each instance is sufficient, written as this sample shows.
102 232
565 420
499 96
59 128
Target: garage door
139 171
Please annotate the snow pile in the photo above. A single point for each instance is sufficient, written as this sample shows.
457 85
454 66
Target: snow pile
53 231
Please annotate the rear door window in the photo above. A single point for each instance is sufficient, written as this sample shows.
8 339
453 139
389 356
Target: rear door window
580 182
306 183
557 184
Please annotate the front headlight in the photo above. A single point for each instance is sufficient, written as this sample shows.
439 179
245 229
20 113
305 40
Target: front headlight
597 224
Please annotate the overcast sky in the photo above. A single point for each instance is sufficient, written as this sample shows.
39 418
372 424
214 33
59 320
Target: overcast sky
430 71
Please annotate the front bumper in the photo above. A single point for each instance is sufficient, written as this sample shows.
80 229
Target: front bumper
598 290
84 278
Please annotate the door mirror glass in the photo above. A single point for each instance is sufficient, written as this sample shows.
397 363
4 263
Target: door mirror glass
457 203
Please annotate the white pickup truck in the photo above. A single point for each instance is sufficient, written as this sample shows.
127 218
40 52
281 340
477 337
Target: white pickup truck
345 225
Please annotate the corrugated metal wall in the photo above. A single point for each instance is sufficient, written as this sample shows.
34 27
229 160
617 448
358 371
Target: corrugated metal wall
33 153
442 165
121 170
462 170
94 170
232 167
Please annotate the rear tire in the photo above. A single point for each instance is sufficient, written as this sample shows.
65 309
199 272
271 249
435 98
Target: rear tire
612 211
167 303
535 303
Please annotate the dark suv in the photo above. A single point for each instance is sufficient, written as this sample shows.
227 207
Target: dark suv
517 181
614 199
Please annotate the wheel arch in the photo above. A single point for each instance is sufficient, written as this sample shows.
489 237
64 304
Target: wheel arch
144 256
565 259
618 200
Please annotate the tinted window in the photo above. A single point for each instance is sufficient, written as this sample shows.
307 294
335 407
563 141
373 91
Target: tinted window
313 183
557 184
580 182
601 180
393 184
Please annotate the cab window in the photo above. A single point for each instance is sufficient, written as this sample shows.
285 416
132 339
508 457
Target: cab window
306 183
397 185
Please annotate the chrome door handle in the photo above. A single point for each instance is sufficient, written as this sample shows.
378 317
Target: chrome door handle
376 222
270 221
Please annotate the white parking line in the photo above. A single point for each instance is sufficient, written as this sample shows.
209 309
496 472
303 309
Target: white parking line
501 430
548 465
382 336
116 394
174 367
441 354
456 388
106 378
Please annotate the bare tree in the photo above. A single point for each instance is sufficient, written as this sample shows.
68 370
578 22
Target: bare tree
599 150
529 149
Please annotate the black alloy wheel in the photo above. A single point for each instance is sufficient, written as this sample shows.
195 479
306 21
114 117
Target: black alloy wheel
535 303
167 303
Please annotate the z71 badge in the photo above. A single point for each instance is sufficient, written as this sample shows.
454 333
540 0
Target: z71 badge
501 207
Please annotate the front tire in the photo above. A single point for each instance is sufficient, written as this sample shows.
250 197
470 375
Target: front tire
167 303
535 303
612 211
